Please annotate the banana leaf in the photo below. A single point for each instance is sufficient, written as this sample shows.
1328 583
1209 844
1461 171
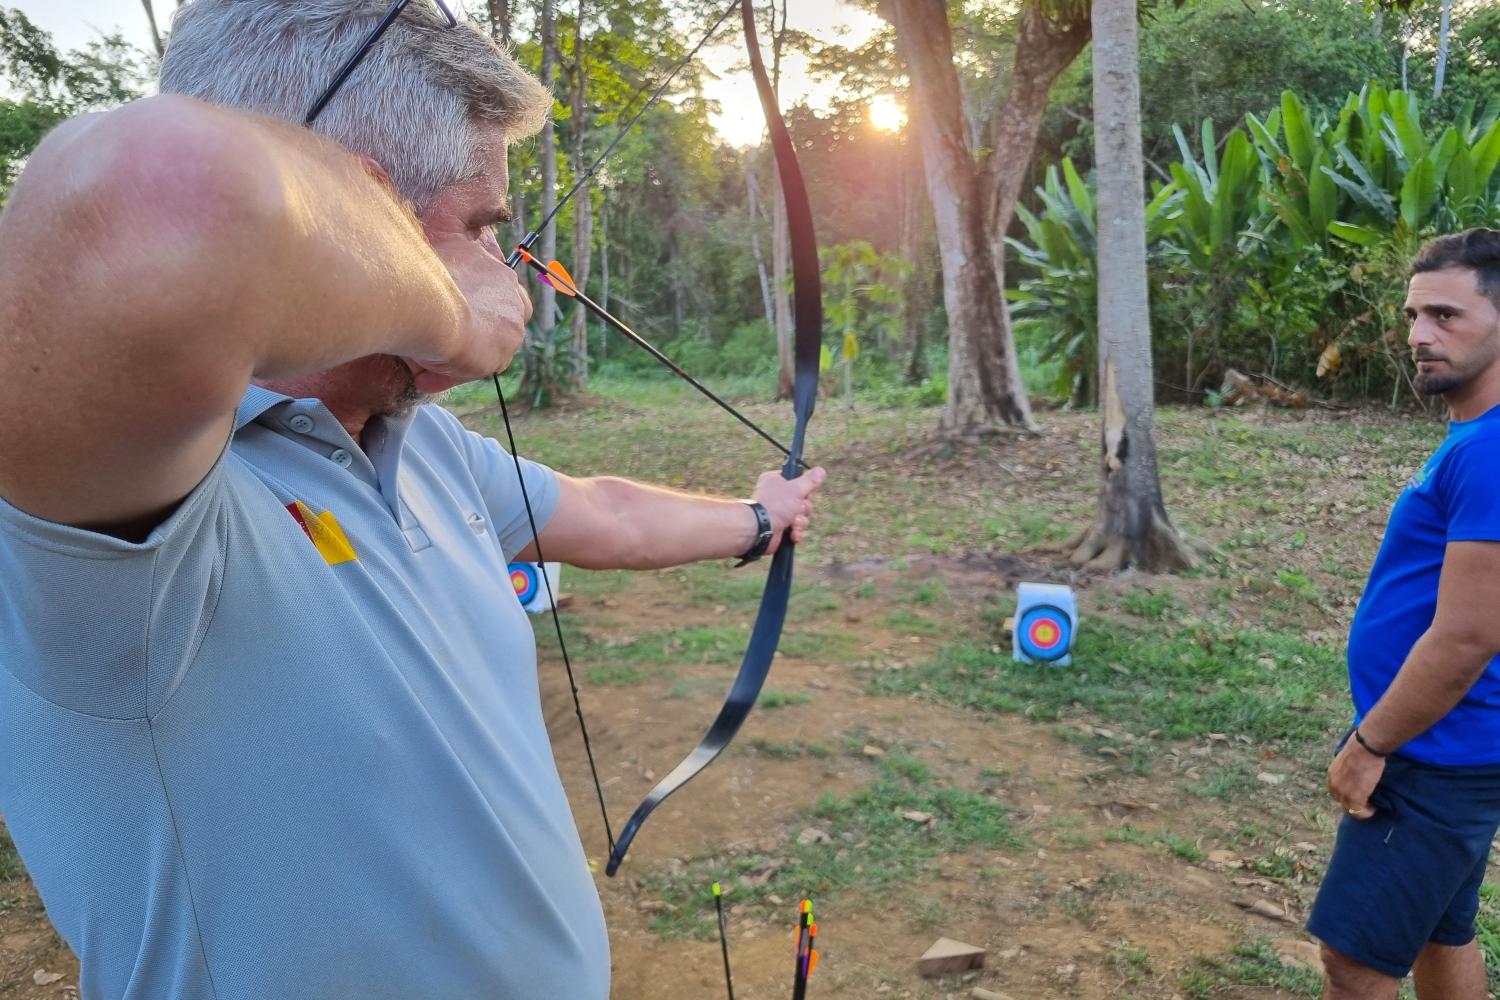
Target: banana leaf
1300 141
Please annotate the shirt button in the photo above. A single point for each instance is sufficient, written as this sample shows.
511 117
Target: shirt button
342 458
301 423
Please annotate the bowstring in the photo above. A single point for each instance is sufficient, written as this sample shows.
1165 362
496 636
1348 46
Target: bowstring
513 261
530 239
562 645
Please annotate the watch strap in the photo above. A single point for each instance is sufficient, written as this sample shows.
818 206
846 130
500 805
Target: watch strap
762 534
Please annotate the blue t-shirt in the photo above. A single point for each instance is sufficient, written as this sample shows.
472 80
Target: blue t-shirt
291 745
1454 498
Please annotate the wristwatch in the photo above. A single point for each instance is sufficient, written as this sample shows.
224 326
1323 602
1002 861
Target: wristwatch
762 535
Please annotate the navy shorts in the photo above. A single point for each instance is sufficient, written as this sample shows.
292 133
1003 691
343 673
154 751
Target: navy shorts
1410 874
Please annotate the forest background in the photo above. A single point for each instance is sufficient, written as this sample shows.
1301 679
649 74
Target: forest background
1295 155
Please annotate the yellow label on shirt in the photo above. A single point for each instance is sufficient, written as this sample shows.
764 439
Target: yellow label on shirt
326 533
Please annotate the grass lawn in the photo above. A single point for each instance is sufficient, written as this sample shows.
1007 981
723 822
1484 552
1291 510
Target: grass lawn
1221 690
1103 829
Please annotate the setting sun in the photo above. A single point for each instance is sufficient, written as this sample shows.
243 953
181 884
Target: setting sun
887 114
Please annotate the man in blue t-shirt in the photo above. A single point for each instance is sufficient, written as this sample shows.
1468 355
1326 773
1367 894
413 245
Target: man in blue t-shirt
1419 774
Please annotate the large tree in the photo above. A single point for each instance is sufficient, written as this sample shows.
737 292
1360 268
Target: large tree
781 238
973 178
583 215
546 310
1132 527
155 34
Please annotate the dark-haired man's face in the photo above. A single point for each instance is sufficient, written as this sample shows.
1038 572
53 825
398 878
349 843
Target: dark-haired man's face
1455 329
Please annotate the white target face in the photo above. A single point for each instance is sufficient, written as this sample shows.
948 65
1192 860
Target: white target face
1045 632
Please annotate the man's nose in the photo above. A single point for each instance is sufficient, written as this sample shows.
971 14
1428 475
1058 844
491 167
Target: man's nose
1422 333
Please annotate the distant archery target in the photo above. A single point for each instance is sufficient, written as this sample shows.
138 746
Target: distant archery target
527 581
1046 632
531 588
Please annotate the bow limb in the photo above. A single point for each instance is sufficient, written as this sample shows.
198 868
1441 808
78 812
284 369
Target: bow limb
756 663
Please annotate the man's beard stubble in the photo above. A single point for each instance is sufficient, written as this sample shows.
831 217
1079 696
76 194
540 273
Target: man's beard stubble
1437 383
400 395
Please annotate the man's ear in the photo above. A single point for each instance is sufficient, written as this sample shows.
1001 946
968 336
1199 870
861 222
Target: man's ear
375 170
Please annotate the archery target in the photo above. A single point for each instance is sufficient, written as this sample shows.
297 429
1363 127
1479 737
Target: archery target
530 587
525 579
1046 632
1046 624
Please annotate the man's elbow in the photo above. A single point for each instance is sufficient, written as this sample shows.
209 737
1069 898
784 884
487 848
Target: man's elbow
1469 650
163 177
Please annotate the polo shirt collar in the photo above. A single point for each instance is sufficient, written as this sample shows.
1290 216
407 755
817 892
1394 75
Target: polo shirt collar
384 436
256 401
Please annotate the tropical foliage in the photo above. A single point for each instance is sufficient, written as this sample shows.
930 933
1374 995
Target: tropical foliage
45 85
1282 246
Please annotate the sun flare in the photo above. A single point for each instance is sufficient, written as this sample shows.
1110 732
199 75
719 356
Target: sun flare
887 114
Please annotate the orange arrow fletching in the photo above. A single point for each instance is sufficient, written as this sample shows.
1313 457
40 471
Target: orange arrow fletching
812 963
563 281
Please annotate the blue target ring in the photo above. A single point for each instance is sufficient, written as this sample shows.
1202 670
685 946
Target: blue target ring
1045 633
523 577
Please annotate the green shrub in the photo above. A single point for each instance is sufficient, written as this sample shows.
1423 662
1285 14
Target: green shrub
1289 239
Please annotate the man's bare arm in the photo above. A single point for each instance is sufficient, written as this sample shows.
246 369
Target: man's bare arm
156 258
609 523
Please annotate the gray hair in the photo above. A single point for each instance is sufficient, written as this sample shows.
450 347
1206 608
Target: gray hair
416 104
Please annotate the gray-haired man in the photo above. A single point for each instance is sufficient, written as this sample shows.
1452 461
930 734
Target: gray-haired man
268 712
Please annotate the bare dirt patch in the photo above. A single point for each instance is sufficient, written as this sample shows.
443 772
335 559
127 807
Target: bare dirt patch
1076 913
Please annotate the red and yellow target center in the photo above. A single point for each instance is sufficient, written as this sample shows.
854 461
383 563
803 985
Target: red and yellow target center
520 581
1045 633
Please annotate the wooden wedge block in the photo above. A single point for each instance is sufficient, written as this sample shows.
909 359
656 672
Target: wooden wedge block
947 956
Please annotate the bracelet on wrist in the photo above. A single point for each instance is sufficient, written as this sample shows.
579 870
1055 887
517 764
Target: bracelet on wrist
1360 739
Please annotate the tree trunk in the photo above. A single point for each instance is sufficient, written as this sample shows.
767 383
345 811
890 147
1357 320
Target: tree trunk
781 293
499 11
973 198
781 247
1043 51
1405 48
155 35
546 313
679 305
916 299
500 20
583 215
1132 528
1442 54
752 201
604 271
517 209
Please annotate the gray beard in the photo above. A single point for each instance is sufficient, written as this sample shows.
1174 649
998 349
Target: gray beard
410 399
405 397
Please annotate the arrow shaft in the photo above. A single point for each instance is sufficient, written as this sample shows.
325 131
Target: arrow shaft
724 941
599 311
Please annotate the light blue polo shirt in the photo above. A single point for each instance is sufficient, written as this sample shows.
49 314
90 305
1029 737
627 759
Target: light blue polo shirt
241 764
